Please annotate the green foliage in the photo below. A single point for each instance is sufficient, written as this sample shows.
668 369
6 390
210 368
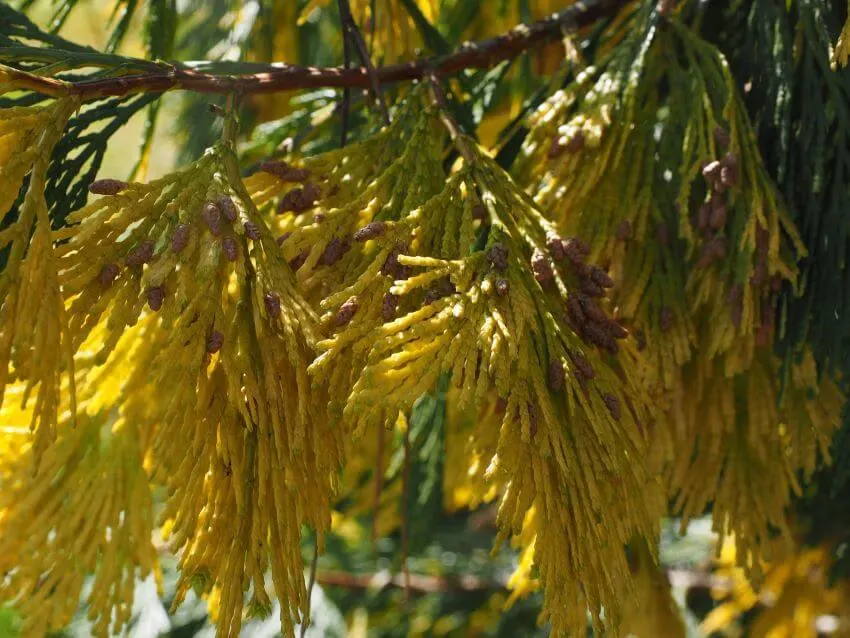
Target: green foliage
801 110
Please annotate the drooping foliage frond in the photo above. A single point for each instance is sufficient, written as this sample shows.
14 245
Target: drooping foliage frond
670 188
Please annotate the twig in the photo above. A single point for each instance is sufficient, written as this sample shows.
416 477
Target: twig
418 583
428 584
352 35
346 93
276 77
446 116
405 522
379 486
312 583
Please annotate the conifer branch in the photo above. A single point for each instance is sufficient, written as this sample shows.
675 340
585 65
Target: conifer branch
278 77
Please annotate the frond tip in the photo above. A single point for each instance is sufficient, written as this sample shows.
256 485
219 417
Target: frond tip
841 52
35 345
89 500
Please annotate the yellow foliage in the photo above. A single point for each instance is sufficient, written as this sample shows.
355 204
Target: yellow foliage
240 438
279 17
838 56
796 592
653 612
34 340
388 251
388 29
246 344
89 499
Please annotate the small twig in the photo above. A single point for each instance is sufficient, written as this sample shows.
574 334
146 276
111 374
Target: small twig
229 135
305 624
428 584
40 84
446 117
379 486
417 583
346 63
405 532
351 33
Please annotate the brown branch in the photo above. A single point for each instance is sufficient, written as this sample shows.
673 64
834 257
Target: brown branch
419 583
285 77
427 584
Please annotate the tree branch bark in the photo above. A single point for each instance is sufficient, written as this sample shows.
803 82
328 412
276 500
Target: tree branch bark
279 77
418 583
427 584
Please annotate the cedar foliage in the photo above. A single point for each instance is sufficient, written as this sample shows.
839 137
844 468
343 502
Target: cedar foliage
584 282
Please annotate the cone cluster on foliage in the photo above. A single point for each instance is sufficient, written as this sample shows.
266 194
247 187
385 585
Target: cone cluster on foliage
602 321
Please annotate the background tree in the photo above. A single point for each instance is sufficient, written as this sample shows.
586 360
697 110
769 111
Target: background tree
426 279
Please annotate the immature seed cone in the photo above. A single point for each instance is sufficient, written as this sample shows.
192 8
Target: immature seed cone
717 220
214 341
541 267
284 171
230 248
108 274
336 248
576 142
389 306
442 288
180 238
227 208
370 231
613 405
141 254
711 171
346 312
211 215
272 303
556 376
729 171
555 246
498 256
155 296
107 186
251 231
299 199
556 149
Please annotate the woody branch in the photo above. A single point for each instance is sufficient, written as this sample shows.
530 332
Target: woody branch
278 77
